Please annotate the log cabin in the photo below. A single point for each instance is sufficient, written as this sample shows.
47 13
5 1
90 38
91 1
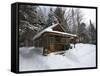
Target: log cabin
53 39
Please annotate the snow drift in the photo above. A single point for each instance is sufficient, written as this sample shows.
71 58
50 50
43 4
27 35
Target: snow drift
31 58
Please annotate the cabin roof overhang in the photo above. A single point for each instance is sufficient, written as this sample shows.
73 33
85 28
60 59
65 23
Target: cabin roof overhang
49 30
57 33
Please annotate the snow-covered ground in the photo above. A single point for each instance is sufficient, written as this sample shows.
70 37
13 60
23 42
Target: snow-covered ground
83 55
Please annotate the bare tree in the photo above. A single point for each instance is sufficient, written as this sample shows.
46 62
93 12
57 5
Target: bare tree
79 18
60 15
74 18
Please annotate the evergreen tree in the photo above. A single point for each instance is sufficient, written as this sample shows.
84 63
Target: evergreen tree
92 33
50 19
74 26
27 24
83 33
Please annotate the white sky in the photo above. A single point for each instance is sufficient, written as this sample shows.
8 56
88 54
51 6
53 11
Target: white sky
89 14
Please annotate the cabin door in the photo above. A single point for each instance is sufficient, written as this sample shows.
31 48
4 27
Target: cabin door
51 46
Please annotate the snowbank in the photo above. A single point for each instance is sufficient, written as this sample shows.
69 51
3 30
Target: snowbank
83 55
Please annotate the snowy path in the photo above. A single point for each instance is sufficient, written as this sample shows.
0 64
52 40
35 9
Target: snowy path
82 56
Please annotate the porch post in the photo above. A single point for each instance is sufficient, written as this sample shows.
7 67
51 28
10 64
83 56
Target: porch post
45 52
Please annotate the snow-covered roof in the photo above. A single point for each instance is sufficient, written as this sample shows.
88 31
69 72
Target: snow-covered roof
50 29
63 33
